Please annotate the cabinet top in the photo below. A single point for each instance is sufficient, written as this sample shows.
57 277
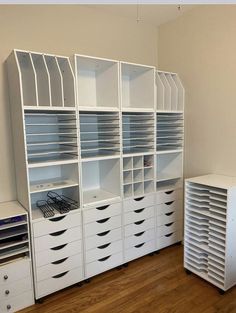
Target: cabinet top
213 180
11 209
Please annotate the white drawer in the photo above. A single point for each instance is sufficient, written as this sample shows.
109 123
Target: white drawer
138 238
169 239
139 203
101 212
103 251
169 218
103 238
103 264
55 224
58 253
57 238
139 226
169 207
57 267
15 288
167 196
58 282
14 271
140 250
102 225
138 215
17 303
168 228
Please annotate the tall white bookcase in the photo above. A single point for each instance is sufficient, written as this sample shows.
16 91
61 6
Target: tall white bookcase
110 136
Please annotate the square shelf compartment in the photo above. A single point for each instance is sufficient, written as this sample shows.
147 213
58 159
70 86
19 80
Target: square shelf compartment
127 177
137 162
137 175
128 191
148 173
148 161
127 163
138 189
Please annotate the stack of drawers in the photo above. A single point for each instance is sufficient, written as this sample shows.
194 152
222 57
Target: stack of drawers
139 226
102 238
58 253
169 217
16 286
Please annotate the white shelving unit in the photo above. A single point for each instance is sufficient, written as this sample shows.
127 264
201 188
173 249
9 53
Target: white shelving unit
210 229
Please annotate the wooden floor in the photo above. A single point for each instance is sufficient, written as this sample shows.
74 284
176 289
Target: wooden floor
156 284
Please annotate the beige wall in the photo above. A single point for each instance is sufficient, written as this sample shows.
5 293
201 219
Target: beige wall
63 30
201 46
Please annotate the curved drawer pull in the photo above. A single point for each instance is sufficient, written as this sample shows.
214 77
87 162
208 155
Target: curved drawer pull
8 307
60 275
104 246
139 210
169 203
57 219
5 277
102 207
104 259
58 233
7 292
104 233
139 234
169 224
59 247
168 235
59 261
103 220
139 199
169 214
169 192
140 245
139 222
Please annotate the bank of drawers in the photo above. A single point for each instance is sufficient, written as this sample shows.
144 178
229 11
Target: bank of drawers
103 238
16 286
169 216
139 226
58 253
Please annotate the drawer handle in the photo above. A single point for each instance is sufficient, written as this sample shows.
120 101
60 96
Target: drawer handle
7 292
60 275
104 233
139 222
5 277
58 233
8 307
169 203
103 220
169 192
139 234
104 246
103 207
104 259
139 199
139 210
140 245
59 247
169 224
59 261
169 214
57 219
168 235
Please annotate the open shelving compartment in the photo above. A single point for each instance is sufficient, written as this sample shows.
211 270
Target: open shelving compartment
99 134
137 87
100 181
97 83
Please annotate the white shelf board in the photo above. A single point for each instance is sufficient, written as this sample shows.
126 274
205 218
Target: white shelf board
97 196
14 252
169 151
51 108
47 185
165 177
52 163
11 209
98 109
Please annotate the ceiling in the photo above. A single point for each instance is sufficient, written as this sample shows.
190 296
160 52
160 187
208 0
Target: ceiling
154 14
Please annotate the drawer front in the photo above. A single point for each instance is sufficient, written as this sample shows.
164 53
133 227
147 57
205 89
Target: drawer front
138 203
139 226
140 250
15 288
104 264
58 282
101 212
58 238
138 238
103 238
57 267
169 218
169 239
14 271
58 253
139 214
17 303
167 196
171 206
103 251
48 226
102 225
169 228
